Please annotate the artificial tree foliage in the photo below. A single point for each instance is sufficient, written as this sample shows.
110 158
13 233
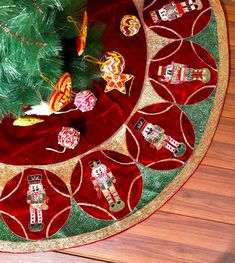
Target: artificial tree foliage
33 37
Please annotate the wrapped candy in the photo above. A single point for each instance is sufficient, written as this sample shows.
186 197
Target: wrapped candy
85 100
27 121
130 25
68 138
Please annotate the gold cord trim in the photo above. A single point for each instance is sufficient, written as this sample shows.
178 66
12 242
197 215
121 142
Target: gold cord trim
22 39
37 5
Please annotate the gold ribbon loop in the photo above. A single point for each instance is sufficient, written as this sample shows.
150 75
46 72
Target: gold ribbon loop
92 59
45 78
75 23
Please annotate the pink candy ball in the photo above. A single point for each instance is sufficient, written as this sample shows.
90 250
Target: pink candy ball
85 100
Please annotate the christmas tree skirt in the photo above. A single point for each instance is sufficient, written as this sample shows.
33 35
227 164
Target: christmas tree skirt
120 161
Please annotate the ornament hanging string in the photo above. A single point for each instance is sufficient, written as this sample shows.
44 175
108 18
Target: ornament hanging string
61 112
92 59
45 78
97 61
132 80
54 150
71 20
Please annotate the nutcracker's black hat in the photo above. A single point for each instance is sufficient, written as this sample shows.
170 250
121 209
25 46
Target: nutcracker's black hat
35 178
140 124
97 161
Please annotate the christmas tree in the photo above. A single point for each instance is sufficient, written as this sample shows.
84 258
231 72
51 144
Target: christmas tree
37 45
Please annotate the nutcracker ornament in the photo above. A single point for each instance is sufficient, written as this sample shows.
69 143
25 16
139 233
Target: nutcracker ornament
176 73
103 181
157 138
37 200
172 11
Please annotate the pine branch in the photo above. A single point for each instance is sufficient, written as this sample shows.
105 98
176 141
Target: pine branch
32 38
73 9
27 48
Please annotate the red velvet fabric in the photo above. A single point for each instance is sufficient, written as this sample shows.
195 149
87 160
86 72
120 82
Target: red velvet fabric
187 25
192 55
27 145
168 117
128 185
13 202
